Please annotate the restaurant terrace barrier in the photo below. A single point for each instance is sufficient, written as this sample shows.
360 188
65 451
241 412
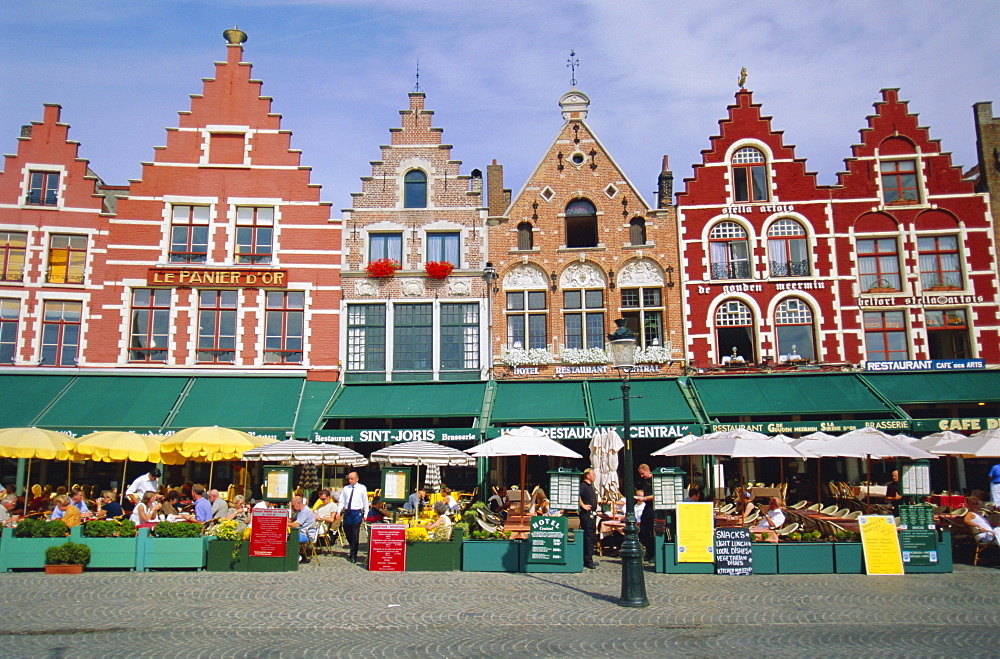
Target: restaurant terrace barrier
234 556
512 556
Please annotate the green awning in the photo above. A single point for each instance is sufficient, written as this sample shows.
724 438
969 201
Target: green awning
659 401
774 395
937 387
539 402
250 403
315 397
408 400
23 398
113 402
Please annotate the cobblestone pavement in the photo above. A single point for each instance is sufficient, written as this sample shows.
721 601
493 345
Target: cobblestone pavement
339 609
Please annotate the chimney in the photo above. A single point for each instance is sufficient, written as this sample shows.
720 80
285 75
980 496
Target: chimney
495 191
665 189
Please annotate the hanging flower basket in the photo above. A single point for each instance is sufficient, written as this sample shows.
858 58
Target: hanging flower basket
438 269
382 268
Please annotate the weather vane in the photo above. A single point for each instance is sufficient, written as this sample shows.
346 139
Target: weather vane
743 77
572 63
416 88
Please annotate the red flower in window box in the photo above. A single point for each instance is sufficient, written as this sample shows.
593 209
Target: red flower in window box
382 268
438 269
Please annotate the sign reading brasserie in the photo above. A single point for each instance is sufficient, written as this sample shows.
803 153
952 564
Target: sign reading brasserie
216 277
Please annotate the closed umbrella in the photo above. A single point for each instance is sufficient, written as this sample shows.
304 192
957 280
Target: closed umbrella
297 451
37 443
604 448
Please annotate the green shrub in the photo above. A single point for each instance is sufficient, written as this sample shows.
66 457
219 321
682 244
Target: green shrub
55 528
69 553
26 528
127 529
795 537
177 530
99 528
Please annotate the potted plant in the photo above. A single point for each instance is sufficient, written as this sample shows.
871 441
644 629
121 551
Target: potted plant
438 269
112 543
67 558
171 545
24 545
382 268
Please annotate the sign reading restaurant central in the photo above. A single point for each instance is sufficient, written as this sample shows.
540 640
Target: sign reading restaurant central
230 278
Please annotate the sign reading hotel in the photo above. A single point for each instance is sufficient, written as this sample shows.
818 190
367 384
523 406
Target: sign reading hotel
229 278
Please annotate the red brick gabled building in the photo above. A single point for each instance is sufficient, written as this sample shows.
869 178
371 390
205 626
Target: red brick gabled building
222 256
577 248
53 232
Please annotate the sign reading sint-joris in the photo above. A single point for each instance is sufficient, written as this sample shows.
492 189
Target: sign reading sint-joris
217 277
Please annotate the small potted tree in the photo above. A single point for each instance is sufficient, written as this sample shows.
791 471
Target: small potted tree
67 558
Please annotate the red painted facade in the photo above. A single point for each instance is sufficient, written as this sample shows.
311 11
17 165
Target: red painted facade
893 263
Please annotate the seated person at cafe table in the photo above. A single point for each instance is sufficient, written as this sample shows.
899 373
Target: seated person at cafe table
498 503
202 507
304 520
7 504
376 511
108 506
744 502
694 495
172 503
76 498
219 506
146 511
66 511
539 502
772 521
442 527
449 500
983 530
416 501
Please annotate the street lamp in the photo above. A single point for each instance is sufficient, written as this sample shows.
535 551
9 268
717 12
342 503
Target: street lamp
622 350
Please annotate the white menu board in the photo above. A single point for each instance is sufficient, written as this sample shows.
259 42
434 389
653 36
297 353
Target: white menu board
915 479
668 491
564 491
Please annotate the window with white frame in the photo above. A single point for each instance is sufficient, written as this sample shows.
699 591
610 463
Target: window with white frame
730 251
885 336
12 249
793 321
643 308
583 318
386 245
788 249
67 259
150 326
413 337
217 327
366 337
734 333
61 322
459 337
581 224
284 327
749 169
878 264
254 234
43 188
189 234
899 182
444 247
415 189
527 315
10 311
947 334
939 263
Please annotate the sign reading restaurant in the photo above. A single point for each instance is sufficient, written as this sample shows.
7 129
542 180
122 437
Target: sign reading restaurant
216 277
927 365
559 433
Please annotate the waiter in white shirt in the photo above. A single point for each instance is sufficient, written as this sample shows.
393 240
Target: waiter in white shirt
352 509
145 483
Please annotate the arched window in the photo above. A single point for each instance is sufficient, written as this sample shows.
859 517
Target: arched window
749 175
730 251
581 224
415 189
734 333
794 323
525 238
788 248
637 231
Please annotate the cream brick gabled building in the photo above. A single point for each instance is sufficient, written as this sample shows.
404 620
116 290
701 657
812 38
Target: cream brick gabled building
415 307
577 248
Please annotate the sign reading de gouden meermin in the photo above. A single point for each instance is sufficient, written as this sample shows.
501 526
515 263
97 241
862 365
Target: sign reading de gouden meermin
231 278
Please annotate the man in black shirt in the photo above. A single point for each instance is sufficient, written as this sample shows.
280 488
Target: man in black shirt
588 517
645 483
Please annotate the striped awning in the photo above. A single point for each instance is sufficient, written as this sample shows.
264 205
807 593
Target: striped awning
422 453
296 451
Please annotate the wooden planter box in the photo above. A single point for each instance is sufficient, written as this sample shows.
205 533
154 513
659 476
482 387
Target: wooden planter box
219 556
666 560
574 558
108 553
63 569
805 557
848 558
24 553
435 556
765 557
169 553
491 555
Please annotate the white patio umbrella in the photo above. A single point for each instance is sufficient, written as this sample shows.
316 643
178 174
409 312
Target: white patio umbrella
297 451
940 440
983 444
804 446
523 441
419 453
604 448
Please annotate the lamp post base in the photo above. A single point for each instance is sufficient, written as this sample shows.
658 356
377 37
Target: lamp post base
633 576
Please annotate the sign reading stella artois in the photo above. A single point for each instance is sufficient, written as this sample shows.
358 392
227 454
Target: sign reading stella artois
217 277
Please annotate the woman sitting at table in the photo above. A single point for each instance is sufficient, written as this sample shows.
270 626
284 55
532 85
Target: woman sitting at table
146 511
980 526
744 503
772 521
240 512
66 511
539 502
172 505
449 500
442 526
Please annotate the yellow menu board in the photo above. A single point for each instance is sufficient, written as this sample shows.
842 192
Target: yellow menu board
881 545
695 533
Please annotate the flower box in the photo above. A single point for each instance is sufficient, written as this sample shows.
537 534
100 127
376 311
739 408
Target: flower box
805 557
438 269
63 569
382 268
109 553
24 553
574 558
169 553
435 556
219 556
491 555
765 557
848 558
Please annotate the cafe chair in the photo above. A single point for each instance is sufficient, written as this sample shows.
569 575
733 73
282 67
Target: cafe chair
728 508
960 512
842 512
752 518
854 514
323 538
829 510
308 549
799 505
815 507
787 528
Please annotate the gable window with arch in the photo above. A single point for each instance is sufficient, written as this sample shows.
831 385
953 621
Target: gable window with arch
788 249
793 320
525 237
947 334
939 263
749 175
878 264
443 247
637 231
581 224
729 251
415 189
734 333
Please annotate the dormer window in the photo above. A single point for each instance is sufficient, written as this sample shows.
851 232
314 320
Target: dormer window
43 188
415 189
581 224
749 175
899 182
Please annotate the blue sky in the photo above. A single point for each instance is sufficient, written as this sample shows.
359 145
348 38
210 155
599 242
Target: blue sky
659 74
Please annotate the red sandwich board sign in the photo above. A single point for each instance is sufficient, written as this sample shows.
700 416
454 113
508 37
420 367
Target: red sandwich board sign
270 532
387 548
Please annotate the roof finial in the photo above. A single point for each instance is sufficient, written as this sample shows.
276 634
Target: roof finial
235 36
416 87
572 63
743 77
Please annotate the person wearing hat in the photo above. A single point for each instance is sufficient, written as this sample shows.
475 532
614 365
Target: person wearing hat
146 483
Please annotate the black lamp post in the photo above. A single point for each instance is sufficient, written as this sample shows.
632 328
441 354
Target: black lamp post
622 349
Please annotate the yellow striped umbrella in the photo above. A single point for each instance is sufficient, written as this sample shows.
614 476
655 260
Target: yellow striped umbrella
37 443
212 444
124 446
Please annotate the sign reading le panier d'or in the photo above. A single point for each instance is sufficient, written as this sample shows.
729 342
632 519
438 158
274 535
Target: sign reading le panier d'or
217 277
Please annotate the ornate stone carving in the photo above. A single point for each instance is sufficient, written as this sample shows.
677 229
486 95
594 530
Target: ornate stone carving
642 272
459 287
524 276
412 287
582 275
365 288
